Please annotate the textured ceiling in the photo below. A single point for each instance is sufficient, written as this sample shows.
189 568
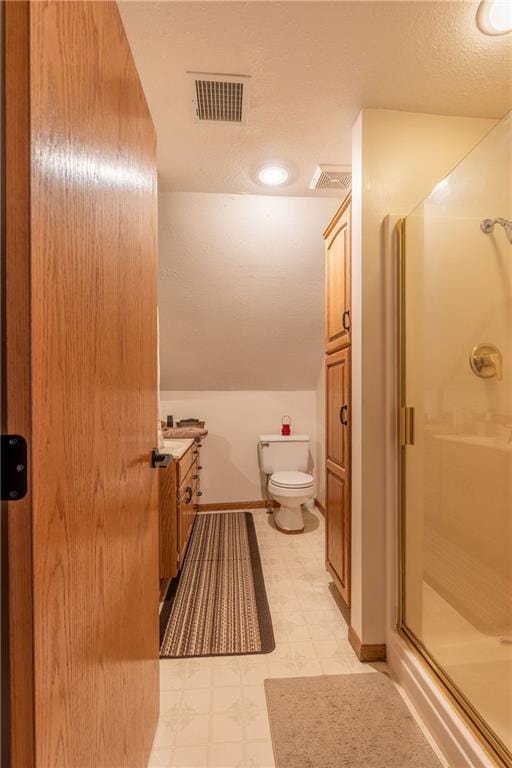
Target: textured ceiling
313 65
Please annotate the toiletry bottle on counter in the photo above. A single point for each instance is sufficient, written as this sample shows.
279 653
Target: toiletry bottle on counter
286 425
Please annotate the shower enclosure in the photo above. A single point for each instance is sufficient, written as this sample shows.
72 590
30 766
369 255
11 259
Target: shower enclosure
456 435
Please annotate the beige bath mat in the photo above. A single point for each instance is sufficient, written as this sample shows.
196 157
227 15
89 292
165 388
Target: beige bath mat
344 721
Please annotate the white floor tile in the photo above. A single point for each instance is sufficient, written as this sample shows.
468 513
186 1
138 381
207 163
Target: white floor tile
213 710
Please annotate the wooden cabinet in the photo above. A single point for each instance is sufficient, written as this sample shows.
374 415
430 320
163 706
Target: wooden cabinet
338 279
180 491
337 409
338 532
186 514
168 528
338 399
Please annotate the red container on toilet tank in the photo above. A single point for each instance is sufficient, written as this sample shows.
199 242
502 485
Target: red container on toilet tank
286 425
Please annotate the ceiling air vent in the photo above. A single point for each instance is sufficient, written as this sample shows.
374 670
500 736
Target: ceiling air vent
220 98
337 177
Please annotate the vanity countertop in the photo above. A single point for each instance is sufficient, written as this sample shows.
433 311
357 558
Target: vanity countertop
177 448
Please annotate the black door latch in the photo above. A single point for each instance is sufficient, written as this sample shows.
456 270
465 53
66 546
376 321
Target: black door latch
14 467
160 460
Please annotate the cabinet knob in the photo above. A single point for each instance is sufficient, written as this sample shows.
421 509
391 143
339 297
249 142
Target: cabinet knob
199 493
199 467
195 477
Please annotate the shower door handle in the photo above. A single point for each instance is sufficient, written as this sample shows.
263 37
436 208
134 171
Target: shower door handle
343 415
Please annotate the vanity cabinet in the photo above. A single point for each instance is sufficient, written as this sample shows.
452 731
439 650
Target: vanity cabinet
338 279
338 398
179 491
168 528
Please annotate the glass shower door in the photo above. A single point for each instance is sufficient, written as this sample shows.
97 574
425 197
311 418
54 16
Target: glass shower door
456 468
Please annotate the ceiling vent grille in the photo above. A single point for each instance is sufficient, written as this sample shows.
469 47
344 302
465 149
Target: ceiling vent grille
337 177
220 98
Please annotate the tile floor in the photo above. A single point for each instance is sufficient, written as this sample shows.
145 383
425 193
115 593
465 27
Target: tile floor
212 710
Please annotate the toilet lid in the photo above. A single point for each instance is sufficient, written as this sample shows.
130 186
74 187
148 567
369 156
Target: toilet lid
292 479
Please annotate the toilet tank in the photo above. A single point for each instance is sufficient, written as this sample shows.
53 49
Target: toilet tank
281 453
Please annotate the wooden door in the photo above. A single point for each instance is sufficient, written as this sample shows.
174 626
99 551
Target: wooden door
80 264
338 279
337 378
186 514
338 532
168 513
338 402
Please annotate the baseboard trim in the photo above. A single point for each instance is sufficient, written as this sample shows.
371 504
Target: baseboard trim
260 504
320 507
364 652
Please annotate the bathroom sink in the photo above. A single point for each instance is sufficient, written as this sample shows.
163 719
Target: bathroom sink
176 447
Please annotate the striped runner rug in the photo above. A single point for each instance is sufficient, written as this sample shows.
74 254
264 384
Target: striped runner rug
218 606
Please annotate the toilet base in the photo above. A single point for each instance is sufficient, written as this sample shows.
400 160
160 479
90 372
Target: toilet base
289 519
283 530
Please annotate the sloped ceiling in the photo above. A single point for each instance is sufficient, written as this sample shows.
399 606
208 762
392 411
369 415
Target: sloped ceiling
313 66
241 291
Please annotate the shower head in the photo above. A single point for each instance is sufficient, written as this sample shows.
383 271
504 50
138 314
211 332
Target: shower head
487 226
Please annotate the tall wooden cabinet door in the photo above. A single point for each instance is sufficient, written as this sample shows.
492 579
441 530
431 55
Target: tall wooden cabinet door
338 279
338 469
337 429
81 316
338 532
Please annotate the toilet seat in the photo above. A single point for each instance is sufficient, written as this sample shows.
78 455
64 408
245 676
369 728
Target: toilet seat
292 480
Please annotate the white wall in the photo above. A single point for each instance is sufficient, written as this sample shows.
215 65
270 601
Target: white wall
234 420
241 291
397 159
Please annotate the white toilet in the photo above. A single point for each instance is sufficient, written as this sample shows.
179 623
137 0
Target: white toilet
285 460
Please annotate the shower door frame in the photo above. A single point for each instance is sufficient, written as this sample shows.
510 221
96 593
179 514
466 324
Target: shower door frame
493 745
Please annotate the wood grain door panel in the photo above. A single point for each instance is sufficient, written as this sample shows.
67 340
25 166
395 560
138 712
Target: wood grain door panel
186 514
338 532
168 513
337 376
338 410
92 395
338 281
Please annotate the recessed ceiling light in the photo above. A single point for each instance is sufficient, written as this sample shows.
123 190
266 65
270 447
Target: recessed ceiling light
273 175
494 17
